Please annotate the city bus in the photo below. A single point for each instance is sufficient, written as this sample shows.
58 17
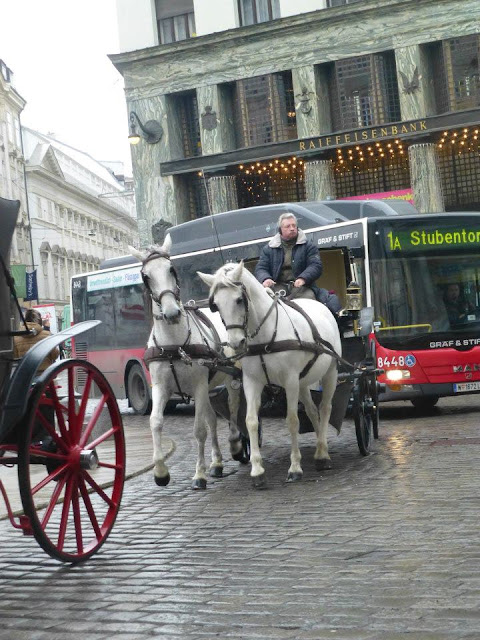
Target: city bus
378 256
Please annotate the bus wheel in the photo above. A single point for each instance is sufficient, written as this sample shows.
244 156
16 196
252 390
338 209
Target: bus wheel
425 403
137 391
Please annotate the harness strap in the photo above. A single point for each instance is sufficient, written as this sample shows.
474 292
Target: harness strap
172 352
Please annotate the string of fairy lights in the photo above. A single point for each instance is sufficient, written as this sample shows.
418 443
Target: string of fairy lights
275 175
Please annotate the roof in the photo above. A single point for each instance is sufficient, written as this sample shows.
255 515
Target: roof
254 223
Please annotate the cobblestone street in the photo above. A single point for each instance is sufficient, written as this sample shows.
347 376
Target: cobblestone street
380 547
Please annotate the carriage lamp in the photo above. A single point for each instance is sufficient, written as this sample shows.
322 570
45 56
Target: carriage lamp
354 297
151 131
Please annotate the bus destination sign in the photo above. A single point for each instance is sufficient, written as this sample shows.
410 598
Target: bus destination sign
432 239
120 278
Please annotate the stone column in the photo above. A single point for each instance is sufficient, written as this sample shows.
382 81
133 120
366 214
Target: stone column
216 121
319 180
425 178
222 192
312 104
416 93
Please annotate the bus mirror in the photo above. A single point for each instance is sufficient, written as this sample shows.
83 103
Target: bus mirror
354 297
365 322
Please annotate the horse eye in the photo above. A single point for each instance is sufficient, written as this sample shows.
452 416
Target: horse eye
172 270
239 300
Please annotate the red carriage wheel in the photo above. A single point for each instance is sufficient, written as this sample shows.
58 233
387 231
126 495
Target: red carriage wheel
71 461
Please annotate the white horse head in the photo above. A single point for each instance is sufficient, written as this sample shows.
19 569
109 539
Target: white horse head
160 279
239 298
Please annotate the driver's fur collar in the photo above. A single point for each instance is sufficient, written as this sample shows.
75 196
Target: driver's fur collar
276 241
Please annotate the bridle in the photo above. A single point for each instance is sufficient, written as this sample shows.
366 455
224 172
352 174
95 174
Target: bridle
244 325
158 298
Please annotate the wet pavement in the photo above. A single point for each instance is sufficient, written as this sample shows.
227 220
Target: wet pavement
379 548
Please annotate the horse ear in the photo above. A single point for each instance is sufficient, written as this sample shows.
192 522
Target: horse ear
167 243
236 273
136 253
206 277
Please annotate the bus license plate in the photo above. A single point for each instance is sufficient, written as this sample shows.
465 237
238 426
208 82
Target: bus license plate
460 387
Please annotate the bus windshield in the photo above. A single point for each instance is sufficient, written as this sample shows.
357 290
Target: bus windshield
426 280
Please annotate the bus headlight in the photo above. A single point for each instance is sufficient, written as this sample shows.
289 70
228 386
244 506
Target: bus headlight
394 375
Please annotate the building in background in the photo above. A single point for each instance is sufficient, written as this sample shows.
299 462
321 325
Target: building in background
272 100
12 175
80 214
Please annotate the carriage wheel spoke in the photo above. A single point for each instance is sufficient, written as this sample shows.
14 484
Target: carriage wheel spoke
83 405
105 436
59 409
76 519
53 502
93 421
90 509
51 430
67 501
99 491
49 478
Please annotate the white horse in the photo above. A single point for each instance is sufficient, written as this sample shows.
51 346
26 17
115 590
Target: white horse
174 372
253 318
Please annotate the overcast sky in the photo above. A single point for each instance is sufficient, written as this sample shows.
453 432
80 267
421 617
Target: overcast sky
57 50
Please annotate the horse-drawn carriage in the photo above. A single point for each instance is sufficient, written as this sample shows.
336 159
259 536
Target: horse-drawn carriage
70 455
285 337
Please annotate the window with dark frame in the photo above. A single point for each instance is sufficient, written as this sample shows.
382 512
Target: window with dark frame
187 108
255 11
264 110
176 28
456 73
364 91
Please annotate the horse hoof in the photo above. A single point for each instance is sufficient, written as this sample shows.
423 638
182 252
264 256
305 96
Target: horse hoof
323 464
199 483
163 481
259 482
294 476
216 472
240 457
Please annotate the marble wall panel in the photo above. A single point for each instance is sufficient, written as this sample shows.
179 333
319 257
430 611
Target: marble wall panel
319 180
356 29
425 178
213 106
415 83
222 193
311 101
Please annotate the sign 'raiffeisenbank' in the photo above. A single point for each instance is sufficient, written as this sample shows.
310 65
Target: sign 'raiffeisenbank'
120 278
363 135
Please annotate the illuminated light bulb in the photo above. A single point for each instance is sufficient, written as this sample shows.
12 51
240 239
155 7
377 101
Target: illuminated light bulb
339 151
465 130
369 148
341 161
270 164
258 164
389 145
462 142
455 134
294 166
475 137
401 151
445 133
276 161
371 153
452 141
357 148
377 144
465 135
362 159
199 174
285 169
276 169
300 162
289 162
247 171
241 166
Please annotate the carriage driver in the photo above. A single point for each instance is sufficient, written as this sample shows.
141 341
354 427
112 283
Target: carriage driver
291 257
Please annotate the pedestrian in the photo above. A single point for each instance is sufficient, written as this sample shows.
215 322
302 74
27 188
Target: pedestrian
23 343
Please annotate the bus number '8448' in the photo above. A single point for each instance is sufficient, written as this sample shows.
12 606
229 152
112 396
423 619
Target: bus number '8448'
394 362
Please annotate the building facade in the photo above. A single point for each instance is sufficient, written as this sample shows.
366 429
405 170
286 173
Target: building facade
80 214
12 174
264 101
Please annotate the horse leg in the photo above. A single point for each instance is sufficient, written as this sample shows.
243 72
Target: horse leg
292 390
159 400
235 438
253 395
329 383
216 466
202 403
